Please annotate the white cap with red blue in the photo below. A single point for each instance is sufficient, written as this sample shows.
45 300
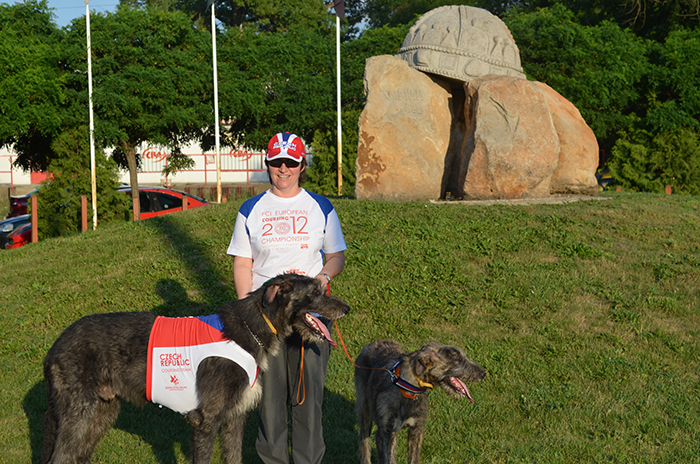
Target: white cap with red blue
285 145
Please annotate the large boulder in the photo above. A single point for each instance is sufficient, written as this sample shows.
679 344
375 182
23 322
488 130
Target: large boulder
511 149
453 116
404 133
578 157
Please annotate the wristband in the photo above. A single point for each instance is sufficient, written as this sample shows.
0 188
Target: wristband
326 276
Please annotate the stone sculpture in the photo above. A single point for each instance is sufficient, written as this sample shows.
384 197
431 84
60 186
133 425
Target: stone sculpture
454 117
462 43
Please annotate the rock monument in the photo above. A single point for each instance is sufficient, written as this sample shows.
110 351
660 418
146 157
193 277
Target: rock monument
452 116
462 43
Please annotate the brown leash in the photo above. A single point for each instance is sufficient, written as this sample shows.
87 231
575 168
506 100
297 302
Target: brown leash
342 342
301 377
340 337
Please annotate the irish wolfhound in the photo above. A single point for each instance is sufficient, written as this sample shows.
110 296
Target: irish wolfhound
391 386
211 378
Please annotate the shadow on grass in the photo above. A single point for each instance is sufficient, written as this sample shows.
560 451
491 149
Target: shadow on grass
194 255
166 431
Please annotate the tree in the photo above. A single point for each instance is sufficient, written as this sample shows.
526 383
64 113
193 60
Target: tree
262 15
274 82
675 101
31 82
152 81
652 19
600 69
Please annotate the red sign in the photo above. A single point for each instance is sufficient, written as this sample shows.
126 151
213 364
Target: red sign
239 153
151 153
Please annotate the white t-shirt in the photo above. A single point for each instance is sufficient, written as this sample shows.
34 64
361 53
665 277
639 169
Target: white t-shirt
286 235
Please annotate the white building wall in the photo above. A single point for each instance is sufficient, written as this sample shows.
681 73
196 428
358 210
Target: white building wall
238 166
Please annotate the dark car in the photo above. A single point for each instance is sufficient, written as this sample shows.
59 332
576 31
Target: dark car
18 204
156 201
10 225
19 237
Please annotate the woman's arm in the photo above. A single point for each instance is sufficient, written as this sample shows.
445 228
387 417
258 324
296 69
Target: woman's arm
335 262
243 276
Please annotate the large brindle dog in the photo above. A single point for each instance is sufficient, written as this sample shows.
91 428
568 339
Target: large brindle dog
102 359
391 386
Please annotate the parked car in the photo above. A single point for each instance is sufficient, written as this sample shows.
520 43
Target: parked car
157 201
19 237
19 204
10 225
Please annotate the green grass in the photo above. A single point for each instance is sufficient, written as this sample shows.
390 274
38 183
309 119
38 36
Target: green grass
585 316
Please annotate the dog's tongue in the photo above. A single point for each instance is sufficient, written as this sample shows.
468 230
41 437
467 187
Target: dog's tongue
322 328
460 387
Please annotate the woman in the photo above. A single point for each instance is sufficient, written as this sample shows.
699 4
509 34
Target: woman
288 229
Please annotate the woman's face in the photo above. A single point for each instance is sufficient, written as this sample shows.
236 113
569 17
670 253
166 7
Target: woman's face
284 176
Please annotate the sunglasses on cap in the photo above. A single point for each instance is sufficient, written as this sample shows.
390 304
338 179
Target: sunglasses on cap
277 163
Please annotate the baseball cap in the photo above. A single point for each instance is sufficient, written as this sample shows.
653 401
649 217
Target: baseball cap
285 145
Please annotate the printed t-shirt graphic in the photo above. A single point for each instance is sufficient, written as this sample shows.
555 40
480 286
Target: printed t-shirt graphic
286 235
175 349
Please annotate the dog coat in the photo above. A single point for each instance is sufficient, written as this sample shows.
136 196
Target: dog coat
175 349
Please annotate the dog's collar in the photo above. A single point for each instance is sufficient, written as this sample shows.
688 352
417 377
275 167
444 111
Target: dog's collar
254 336
408 390
272 327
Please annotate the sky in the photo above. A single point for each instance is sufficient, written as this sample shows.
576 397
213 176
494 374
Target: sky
67 10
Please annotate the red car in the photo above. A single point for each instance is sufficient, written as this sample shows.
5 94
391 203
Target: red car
19 237
154 201
18 205
157 201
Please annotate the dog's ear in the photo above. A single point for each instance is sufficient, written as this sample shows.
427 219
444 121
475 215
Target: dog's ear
270 294
424 362
273 289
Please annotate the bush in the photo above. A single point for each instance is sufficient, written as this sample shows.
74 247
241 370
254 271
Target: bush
647 163
59 207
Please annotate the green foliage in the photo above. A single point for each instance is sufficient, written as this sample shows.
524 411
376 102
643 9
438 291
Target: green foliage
676 101
261 15
647 163
149 68
274 83
598 68
379 13
30 82
60 201
323 174
650 19
177 162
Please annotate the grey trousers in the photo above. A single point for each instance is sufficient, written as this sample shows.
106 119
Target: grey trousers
280 383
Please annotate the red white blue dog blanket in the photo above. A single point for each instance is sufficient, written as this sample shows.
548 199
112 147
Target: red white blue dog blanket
175 349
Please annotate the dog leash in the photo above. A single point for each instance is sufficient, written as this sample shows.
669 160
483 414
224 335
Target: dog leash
408 390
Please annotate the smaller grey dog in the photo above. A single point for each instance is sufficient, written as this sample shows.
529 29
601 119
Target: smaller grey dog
391 386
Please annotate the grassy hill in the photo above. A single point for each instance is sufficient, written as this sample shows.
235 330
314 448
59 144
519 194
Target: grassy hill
585 316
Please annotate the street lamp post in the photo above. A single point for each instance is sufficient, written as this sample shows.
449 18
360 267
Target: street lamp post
92 121
216 105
